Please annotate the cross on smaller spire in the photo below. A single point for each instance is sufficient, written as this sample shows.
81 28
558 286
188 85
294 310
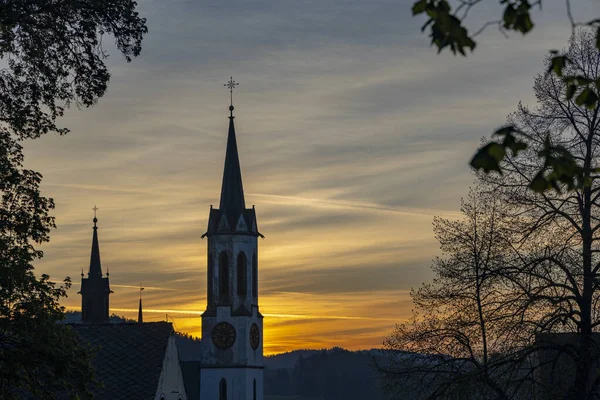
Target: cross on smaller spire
231 85
95 219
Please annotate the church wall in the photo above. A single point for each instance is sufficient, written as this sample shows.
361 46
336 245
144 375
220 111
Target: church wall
241 352
233 245
170 383
240 382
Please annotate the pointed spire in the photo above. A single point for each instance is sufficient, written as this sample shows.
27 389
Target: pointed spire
140 315
232 191
95 266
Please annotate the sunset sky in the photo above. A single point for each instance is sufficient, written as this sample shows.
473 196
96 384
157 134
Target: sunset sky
353 133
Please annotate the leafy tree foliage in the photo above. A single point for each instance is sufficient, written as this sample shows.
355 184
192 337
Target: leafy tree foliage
38 357
542 277
53 56
561 168
447 29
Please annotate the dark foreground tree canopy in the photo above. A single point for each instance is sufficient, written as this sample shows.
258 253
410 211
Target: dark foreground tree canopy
38 357
55 55
514 310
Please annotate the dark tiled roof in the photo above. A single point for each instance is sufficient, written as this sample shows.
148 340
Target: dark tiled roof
128 359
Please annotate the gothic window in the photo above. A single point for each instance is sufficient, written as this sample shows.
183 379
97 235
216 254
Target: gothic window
241 274
209 284
224 277
223 389
254 276
254 390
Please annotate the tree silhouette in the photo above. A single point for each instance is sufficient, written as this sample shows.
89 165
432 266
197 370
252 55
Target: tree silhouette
38 357
447 26
54 57
463 326
533 273
561 231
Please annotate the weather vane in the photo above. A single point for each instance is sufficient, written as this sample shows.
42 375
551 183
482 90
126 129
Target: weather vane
231 85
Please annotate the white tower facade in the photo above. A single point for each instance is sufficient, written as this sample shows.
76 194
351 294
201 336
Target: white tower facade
232 326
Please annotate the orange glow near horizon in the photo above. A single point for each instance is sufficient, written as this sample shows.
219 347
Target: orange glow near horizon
318 288
285 332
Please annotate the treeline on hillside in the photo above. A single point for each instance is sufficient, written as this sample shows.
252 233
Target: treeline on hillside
335 374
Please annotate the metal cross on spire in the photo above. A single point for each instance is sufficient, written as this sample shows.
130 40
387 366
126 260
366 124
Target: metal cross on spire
95 219
231 85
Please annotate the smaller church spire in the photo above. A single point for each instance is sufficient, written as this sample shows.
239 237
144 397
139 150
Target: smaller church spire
95 265
95 289
140 315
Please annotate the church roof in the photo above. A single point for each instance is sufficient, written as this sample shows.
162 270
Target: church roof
129 358
232 190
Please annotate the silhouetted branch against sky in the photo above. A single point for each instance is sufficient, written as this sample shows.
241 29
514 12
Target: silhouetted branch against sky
447 26
54 56
486 310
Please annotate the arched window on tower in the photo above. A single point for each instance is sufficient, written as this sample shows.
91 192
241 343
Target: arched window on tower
254 276
210 279
223 389
254 390
224 277
242 280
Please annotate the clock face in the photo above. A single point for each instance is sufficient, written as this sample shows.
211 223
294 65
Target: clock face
254 336
223 335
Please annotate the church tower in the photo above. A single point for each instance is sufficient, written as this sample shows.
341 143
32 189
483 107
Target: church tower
232 326
95 289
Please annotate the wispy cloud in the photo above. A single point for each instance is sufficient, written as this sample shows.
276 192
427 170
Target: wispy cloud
354 205
352 135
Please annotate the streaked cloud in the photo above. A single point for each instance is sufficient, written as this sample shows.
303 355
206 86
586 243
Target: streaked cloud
352 134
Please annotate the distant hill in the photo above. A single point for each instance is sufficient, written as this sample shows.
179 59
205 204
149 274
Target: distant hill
287 360
334 374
